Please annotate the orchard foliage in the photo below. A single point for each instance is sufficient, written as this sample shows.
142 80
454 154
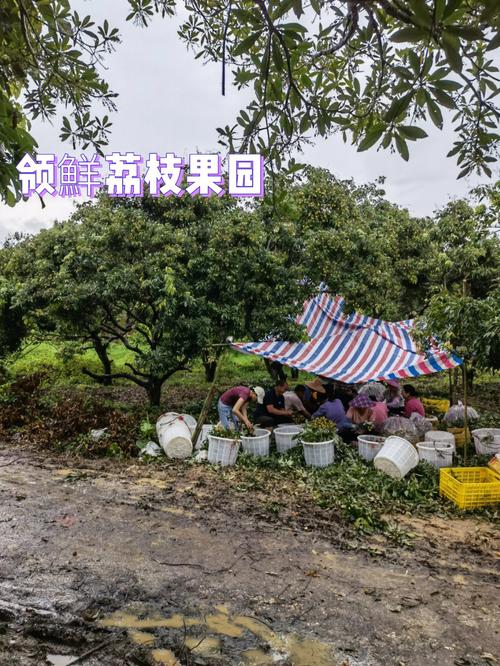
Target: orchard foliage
377 72
50 56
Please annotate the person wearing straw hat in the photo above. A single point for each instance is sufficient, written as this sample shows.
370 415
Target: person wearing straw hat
233 404
314 395
360 409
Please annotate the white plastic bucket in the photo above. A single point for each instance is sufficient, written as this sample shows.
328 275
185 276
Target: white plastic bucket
174 435
440 437
286 437
222 450
258 444
319 454
206 429
439 454
397 457
487 441
369 446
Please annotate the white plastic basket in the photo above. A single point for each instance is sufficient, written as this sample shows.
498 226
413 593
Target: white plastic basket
487 441
286 437
319 454
439 454
223 451
397 457
369 446
206 429
258 444
440 437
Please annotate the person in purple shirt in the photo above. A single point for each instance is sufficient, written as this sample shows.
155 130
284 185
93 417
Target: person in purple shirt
333 409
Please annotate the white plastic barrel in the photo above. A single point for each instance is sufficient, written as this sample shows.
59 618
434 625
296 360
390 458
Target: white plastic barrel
174 435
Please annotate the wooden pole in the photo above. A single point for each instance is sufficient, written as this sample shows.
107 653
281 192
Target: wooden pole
450 378
208 400
466 420
464 375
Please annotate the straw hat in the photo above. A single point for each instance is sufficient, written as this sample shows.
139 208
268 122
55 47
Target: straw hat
316 385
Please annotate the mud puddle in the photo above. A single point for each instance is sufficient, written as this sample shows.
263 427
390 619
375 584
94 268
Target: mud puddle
220 633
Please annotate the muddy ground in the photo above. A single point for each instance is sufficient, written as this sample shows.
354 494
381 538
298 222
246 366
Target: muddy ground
120 563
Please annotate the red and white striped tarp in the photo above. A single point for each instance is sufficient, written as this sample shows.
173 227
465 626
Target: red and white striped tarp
352 348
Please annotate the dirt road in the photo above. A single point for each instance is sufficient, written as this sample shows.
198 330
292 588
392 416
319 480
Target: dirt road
144 566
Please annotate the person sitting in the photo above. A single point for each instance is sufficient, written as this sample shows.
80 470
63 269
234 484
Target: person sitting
379 413
412 403
332 409
233 404
293 400
393 398
314 395
272 412
360 410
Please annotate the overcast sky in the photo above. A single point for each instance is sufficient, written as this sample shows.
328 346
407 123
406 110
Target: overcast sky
170 102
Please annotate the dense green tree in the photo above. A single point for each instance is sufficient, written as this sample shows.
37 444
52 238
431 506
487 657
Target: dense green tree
49 56
166 290
375 71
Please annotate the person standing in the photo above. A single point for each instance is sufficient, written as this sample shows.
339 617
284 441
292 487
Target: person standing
233 404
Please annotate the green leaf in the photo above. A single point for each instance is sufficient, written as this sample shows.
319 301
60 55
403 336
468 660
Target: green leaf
443 98
451 46
408 35
247 43
434 112
412 132
421 12
494 43
469 32
451 7
402 147
398 106
370 139
282 8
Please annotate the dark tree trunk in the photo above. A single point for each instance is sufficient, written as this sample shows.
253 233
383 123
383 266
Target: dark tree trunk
294 373
210 367
102 352
153 388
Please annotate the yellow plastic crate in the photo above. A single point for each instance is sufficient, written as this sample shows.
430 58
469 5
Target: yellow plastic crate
469 487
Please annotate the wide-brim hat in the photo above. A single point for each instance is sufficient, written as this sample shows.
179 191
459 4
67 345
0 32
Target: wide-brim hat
260 393
393 382
361 402
316 385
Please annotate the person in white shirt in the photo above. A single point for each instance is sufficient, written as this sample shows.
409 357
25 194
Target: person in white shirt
293 400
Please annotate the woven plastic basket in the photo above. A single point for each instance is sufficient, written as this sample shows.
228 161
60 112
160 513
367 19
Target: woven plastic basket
319 454
487 441
286 437
223 451
439 454
470 487
258 445
397 457
369 446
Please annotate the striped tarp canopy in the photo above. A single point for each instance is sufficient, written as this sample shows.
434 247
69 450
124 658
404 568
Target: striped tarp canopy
352 348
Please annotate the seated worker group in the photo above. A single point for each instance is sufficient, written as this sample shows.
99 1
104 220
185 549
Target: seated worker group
313 399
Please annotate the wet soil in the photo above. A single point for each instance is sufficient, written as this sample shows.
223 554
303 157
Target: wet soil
119 563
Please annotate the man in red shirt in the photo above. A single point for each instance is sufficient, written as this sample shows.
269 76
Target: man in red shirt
412 403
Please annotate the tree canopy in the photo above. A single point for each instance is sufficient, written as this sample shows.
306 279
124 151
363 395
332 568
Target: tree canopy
374 71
